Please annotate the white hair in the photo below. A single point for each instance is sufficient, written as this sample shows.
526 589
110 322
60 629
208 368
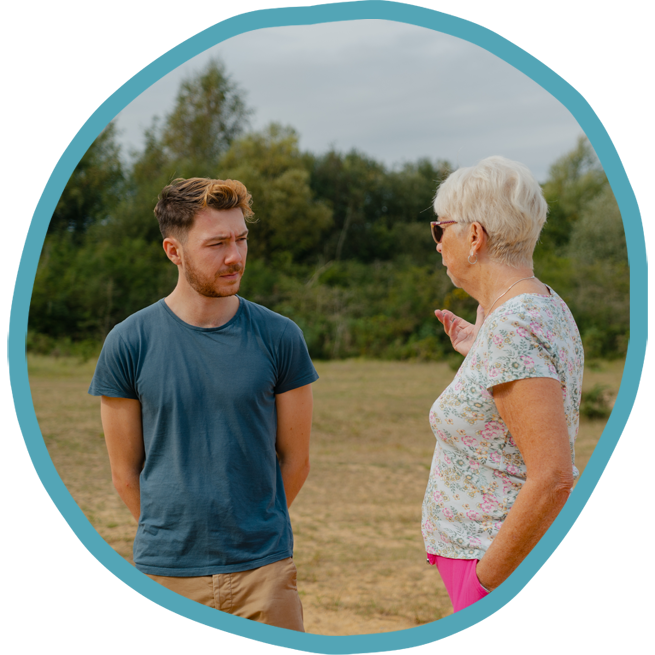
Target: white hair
504 197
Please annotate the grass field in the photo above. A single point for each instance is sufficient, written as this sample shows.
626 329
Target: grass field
358 546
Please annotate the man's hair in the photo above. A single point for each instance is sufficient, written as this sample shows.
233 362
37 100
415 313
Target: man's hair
180 201
504 197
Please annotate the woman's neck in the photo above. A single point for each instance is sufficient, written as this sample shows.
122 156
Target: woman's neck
494 284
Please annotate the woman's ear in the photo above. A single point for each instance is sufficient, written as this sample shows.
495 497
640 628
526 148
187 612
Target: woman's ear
477 237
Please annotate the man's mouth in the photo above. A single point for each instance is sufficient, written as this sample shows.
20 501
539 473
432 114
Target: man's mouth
231 275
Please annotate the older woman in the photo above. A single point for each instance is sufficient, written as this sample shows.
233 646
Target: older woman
503 466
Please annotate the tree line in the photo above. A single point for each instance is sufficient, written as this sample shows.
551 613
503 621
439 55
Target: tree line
340 242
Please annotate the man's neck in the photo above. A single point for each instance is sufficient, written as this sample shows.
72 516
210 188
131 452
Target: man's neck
192 308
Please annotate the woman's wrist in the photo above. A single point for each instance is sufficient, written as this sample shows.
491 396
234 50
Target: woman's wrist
482 581
487 590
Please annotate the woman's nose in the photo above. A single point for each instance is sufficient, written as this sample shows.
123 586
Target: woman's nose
439 247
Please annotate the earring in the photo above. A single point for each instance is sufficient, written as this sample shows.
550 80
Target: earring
469 259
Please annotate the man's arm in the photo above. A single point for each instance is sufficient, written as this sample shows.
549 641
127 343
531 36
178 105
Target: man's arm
121 423
294 424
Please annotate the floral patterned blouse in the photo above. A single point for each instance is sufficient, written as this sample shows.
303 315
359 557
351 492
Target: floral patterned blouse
477 470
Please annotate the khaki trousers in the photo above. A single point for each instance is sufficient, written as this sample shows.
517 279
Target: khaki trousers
267 594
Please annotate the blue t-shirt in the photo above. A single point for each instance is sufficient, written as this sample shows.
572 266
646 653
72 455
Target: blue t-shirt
212 498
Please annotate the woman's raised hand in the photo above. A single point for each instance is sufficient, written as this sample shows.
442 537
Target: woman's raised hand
462 333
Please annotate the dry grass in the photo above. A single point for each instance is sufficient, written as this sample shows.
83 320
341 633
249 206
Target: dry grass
359 551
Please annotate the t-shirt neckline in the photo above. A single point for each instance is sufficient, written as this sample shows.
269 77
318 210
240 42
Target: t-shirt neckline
197 328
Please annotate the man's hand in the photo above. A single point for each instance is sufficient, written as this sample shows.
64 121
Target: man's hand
121 423
462 334
294 424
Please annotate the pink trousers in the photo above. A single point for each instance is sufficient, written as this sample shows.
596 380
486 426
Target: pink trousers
461 581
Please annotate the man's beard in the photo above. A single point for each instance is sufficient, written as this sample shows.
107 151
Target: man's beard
206 285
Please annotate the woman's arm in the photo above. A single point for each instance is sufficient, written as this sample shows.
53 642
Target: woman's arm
533 410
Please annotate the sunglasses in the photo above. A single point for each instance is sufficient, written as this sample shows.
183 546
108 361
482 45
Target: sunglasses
437 230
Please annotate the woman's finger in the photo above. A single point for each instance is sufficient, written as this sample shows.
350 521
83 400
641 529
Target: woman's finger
449 321
444 318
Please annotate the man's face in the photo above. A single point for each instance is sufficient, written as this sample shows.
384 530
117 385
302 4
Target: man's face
214 252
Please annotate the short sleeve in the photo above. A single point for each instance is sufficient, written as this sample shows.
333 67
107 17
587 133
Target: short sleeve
115 374
294 366
516 348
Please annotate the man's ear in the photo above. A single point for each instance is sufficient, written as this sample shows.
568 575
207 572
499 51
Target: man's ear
173 249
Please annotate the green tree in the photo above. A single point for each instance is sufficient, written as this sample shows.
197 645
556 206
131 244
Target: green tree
574 180
340 243
290 222
600 296
352 186
209 114
82 291
379 215
94 188
582 252
598 234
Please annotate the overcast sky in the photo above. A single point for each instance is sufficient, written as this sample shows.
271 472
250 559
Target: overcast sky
395 92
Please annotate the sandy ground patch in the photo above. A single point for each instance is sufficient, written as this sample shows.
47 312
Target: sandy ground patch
358 546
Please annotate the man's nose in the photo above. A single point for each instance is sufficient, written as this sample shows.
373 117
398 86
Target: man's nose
233 254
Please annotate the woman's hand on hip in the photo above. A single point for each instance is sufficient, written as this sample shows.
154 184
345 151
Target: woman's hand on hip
462 333
487 587
533 410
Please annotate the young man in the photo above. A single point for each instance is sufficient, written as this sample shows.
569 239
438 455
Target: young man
206 409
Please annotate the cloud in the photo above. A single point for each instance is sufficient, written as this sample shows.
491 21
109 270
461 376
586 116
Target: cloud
393 91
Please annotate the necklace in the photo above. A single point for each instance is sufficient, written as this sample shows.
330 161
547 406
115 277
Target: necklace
532 277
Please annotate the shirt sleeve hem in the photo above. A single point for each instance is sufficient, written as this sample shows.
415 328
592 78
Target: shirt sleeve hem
296 384
111 393
526 376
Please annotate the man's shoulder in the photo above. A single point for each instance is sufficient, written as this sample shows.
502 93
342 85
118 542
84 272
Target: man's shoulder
138 323
265 316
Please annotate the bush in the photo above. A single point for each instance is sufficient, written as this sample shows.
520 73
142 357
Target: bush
597 402
42 344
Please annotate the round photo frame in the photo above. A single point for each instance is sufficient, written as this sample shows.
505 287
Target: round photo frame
95 603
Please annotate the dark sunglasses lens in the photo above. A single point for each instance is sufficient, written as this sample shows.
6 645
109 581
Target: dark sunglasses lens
437 232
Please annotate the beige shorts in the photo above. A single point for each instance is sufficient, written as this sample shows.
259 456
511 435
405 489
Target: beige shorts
268 594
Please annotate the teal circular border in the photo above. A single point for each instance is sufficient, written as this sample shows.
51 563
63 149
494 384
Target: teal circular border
69 592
